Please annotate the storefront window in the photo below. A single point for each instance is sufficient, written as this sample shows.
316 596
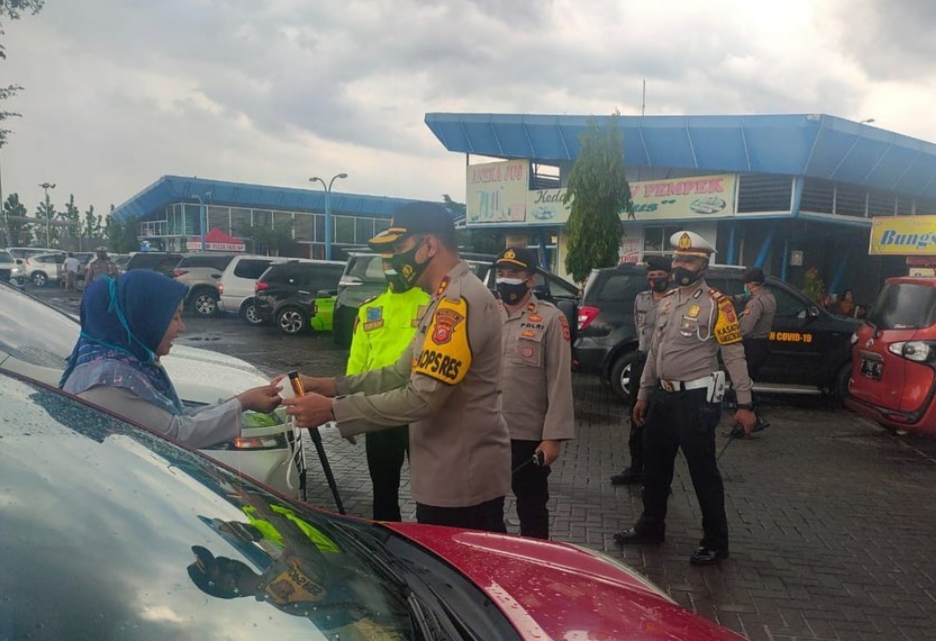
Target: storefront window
220 218
240 221
344 230
303 228
656 239
283 219
363 230
262 217
319 228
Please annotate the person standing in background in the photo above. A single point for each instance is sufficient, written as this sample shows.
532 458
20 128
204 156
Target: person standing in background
536 385
760 307
385 326
70 266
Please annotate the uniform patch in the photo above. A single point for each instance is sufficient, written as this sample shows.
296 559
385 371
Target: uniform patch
372 325
442 286
528 333
446 353
566 332
531 307
727 330
535 318
374 314
694 311
527 351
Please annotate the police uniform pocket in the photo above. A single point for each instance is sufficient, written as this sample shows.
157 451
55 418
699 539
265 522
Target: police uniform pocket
529 351
709 417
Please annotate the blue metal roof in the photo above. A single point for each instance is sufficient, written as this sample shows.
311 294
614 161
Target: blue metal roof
173 189
813 145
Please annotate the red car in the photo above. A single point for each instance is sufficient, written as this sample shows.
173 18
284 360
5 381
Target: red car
111 531
894 359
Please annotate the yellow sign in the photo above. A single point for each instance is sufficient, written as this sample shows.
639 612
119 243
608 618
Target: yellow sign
790 337
903 236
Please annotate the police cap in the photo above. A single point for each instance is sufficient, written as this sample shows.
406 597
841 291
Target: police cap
688 244
517 257
414 218
753 275
658 264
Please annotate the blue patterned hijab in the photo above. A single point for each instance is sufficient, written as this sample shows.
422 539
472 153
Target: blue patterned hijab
123 321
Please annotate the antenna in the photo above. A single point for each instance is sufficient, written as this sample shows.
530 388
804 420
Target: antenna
643 99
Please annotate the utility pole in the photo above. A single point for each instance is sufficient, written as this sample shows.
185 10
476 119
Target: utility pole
328 216
47 186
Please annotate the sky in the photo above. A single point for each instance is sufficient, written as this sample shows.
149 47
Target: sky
120 92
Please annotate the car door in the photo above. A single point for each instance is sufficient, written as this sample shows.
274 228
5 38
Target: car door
796 345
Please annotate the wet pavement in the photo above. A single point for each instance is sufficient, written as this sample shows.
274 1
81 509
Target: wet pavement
832 519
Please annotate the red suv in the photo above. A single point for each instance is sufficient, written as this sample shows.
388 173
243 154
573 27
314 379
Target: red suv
894 357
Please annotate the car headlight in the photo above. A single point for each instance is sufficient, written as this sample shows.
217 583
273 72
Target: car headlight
917 351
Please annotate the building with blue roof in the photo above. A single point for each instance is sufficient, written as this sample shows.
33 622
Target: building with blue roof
169 213
785 192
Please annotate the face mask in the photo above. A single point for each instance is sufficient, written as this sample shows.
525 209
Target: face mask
512 290
659 284
406 267
396 282
684 277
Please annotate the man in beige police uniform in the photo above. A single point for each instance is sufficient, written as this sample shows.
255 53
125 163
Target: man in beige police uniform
684 388
445 386
536 385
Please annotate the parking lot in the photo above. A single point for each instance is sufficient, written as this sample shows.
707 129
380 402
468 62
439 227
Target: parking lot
832 519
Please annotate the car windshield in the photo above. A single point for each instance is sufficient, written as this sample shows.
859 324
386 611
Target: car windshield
904 306
32 332
5 257
153 541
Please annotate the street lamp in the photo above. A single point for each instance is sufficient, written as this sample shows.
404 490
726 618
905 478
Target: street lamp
203 215
47 186
328 218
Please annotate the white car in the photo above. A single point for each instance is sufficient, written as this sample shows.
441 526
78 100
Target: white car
36 339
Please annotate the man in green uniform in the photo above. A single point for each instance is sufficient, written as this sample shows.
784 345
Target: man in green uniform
445 385
384 328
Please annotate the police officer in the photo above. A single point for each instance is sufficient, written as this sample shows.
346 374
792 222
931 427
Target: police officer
682 384
536 385
385 326
658 278
445 385
760 307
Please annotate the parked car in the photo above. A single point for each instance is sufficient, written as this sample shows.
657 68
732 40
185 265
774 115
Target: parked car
146 539
893 377
810 349
236 287
323 311
43 269
286 292
363 278
202 273
35 341
11 271
155 261
22 253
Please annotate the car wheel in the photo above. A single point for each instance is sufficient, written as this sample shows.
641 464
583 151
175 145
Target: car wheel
39 279
205 302
291 321
251 315
840 383
621 374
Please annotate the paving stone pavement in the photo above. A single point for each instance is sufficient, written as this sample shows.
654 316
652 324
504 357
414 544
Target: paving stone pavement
832 519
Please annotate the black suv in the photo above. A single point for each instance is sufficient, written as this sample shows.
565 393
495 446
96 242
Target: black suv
810 348
286 292
161 262
363 278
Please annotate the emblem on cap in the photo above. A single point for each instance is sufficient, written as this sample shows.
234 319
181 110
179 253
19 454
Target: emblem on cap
684 241
510 254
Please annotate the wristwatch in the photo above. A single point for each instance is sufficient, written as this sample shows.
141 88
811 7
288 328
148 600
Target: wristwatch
745 406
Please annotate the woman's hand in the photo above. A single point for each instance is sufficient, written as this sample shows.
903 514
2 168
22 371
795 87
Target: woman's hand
260 399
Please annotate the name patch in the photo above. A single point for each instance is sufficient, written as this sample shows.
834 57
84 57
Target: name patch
727 330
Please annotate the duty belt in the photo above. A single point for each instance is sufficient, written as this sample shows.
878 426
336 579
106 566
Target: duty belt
683 386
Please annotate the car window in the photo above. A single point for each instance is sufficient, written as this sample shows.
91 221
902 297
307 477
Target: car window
281 274
323 277
621 287
251 268
787 304
6 257
558 287
367 268
206 260
904 306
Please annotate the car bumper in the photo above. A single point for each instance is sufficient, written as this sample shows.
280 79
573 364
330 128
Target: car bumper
922 421
589 357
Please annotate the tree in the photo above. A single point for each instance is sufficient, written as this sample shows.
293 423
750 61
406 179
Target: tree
18 231
268 240
90 224
122 238
114 232
12 10
71 217
599 192
45 231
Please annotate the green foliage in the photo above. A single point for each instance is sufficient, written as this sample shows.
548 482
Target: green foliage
813 285
46 233
122 238
599 192
91 226
71 216
268 240
18 231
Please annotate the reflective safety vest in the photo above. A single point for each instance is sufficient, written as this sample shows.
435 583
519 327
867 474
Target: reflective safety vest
385 326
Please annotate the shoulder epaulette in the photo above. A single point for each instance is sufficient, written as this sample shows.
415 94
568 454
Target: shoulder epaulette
370 300
715 294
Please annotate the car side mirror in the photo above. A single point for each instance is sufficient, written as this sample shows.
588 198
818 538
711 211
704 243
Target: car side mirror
326 293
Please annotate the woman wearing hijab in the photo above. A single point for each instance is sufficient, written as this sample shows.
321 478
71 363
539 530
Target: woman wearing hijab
127 324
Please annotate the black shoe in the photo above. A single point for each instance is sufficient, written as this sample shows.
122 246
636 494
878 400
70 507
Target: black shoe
634 537
630 476
707 556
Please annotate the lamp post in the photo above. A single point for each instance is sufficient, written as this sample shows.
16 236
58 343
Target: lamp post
328 218
203 215
47 186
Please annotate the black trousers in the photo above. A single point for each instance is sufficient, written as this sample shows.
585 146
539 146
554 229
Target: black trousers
683 420
487 516
530 485
756 353
386 451
635 440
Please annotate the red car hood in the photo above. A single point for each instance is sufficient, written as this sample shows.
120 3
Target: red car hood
558 591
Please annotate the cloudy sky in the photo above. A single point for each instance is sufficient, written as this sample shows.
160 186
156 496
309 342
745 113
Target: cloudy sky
120 92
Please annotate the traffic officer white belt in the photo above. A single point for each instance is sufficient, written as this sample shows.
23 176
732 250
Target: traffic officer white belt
682 386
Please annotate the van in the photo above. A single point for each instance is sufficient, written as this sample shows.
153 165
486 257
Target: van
236 287
893 378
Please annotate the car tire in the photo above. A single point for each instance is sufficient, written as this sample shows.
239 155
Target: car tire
204 302
292 321
840 383
39 279
620 374
250 313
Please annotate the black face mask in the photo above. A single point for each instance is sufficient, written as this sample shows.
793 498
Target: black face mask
684 277
396 282
512 290
659 284
408 270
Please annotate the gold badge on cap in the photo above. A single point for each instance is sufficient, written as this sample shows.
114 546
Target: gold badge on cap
684 242
510 254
